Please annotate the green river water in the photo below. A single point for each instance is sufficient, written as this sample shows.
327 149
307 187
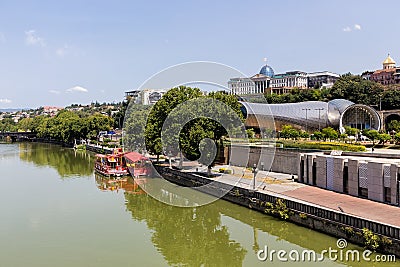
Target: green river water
55 211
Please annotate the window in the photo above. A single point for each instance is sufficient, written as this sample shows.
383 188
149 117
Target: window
387 195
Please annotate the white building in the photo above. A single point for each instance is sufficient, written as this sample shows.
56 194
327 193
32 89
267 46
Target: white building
322 79
280 83
267 81
256 84
146 96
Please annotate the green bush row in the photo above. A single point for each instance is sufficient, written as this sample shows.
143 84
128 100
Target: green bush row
325 146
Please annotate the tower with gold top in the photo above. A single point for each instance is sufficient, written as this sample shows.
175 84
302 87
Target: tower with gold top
389 63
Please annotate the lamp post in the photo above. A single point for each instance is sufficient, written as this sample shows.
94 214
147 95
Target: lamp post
254 171
169 158
319 117
306 109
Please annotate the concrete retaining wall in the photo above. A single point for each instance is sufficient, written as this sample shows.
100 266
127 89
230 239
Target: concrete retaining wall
278 160
318 218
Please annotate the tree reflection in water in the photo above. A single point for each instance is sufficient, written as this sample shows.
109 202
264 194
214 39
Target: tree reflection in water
67 162
187 236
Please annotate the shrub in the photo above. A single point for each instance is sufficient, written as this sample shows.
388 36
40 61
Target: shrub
371 240
303 216
325 146
225 170
279 209
348 230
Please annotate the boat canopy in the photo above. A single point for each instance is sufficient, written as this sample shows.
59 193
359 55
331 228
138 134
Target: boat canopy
135 157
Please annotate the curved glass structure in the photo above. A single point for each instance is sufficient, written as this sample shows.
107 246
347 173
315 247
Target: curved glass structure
312 115
267 71
360 117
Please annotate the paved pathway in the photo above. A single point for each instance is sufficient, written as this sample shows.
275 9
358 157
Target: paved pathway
352 205
281 185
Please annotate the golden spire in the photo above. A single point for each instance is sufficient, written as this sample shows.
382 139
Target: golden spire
389 60
389 63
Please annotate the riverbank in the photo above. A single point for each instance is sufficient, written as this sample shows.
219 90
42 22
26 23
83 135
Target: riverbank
298 206
99 149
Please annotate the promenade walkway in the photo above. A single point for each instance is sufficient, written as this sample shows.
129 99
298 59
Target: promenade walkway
281 185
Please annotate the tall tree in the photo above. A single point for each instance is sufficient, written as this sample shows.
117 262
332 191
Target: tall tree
184 117
357 90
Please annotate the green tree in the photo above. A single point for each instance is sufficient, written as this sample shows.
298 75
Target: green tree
304 134
134 126
384 137
371 134
357 90
397 138
8 125
250 133
351 131
160 112
318 135
285 132
68 125
394 125
342 137
26 124
191 102
390 99
329 133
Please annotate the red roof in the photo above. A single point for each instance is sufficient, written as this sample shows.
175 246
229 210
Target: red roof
134 156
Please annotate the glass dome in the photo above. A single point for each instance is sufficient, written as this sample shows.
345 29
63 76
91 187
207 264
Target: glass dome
267 71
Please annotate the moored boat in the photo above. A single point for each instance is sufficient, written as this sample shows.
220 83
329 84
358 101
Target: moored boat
111 165
138 165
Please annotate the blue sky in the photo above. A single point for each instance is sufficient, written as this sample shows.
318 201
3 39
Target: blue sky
63 52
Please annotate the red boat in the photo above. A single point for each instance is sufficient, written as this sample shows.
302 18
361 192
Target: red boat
112 164
121 164
137 164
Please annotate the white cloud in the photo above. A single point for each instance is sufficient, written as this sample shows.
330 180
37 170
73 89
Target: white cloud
5 100
77 89
347 29
54 92
356 27
62 51
32 39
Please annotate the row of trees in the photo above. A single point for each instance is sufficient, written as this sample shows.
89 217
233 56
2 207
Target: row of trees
66 126
299 95
328 133
348 86
184 120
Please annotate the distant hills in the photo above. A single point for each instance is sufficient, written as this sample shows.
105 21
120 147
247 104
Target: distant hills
12 109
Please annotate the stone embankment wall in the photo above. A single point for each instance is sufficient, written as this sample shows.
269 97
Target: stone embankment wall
325 220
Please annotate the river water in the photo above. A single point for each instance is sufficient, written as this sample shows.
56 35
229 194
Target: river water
55 211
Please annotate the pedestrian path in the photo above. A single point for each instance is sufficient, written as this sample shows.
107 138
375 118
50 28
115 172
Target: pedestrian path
282 185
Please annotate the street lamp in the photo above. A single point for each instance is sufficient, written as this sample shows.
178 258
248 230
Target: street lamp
319 117
169 158
306 109
254 171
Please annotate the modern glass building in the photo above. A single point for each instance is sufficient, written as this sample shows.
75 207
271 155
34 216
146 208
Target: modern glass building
311 115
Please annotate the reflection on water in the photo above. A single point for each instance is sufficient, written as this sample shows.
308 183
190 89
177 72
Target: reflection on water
187 236
83 222
66 161
115 184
